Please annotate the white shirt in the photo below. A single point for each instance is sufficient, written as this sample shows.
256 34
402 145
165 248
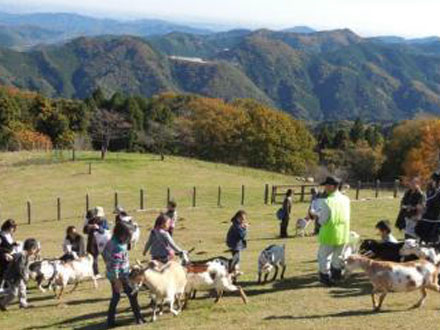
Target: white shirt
8 237
320 209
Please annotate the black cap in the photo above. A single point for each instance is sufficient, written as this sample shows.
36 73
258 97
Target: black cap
331 181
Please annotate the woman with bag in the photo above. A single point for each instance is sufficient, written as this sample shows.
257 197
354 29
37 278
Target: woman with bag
285 213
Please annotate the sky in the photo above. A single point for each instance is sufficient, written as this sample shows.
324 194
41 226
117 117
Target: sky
407 18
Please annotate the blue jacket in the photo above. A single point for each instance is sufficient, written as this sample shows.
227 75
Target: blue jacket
236 237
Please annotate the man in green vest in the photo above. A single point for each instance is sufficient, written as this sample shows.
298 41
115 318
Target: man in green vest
333 214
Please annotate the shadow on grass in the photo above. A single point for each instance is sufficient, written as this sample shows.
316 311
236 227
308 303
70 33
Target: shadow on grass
355 285
335 315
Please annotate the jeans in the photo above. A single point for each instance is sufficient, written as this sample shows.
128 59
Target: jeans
235 260
17 289
95 264
117 285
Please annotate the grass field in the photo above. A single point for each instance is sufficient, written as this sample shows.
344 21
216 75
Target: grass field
298 302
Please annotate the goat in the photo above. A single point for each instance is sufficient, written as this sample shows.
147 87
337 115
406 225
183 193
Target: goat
44 270
74 271
271 257
166 283
214 274
412 248
301 226
352 247
396 277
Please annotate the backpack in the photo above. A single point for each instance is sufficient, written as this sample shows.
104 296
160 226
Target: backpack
280 214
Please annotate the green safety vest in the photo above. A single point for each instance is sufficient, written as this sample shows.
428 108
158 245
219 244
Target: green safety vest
336 230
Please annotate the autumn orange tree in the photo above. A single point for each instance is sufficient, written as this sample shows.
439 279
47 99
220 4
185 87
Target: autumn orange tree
423 159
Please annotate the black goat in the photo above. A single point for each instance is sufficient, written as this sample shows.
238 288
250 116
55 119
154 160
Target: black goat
385 251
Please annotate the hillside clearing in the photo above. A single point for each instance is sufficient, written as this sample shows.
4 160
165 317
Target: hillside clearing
299 302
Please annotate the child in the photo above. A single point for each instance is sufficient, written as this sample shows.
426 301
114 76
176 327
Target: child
73 245
172 214
17 274
384 229
118 268
236 238
7 246
160 242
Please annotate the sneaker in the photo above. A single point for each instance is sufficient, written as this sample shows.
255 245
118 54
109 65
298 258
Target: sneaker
98 277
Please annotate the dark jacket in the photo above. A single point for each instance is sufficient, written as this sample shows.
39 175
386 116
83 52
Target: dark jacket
428 231
77 244
5 248
92 247
236 237
287 208
17 269
408 206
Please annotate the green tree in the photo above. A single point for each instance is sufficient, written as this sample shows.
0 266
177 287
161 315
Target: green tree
357 132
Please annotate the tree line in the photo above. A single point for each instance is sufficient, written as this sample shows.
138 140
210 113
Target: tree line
241 132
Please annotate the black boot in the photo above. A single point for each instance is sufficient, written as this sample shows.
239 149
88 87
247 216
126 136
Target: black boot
325 279
112 310
336 274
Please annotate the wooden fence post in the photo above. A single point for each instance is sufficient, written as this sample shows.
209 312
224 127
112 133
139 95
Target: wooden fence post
141 199
90 168
396 188
73 154
358 189
303 188
266 194
168 195
219 197
377 188
87 203
116 200
194 196
29 212
58 208
272 198
242 194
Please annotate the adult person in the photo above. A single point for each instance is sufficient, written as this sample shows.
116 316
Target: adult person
95 222
160 243
118 269
411 208
7 245
287 209
333 214
73 245
427 228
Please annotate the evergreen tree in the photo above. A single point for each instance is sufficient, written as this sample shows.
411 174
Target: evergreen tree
357 132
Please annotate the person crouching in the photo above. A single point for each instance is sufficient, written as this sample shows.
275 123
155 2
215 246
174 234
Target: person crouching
17 274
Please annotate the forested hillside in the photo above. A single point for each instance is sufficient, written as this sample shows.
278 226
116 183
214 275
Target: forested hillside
313 76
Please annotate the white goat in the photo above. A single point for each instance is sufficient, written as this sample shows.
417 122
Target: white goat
166 283
274 256
211 275
352 247
44 270
412 247
74 271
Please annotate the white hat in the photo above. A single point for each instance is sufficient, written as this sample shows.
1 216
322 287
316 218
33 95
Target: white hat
99 212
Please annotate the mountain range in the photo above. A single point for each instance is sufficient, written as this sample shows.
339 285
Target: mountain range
314 75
